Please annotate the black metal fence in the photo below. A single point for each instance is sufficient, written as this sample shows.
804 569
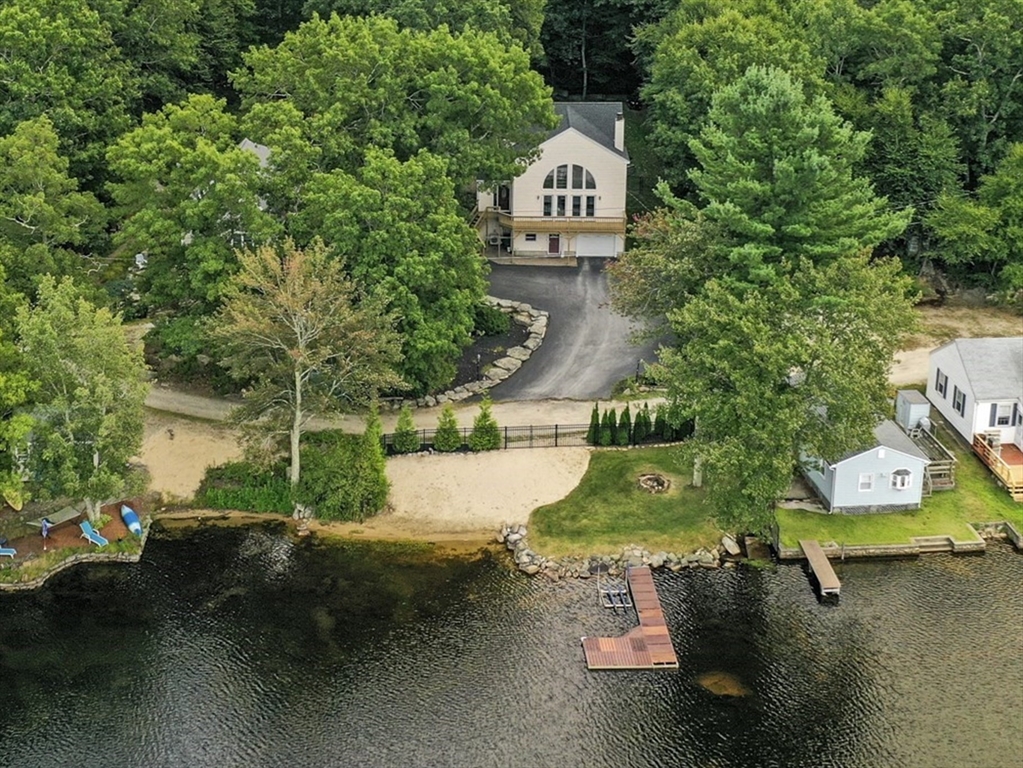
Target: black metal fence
544 436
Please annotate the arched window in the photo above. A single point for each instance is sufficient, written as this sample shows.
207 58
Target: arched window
558 178
580 179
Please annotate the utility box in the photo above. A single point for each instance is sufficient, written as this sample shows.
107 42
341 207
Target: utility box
911 407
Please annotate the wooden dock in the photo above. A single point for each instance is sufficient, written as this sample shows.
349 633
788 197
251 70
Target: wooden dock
829 583
647 646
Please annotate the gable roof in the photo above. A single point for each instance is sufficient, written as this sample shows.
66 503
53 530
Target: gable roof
593 119
994 367
888 434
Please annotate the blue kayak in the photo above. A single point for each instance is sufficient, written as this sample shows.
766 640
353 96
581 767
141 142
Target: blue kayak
131 520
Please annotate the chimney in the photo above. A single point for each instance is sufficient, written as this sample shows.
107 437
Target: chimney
620 131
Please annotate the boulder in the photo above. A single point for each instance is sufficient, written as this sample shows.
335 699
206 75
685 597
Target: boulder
430 401
519 353
731 546
532 343
497 374
509 364
530 569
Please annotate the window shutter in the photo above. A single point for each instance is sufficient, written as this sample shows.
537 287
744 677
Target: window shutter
994 415
1015 414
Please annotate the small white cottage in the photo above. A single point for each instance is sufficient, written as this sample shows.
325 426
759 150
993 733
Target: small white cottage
887 477
571 200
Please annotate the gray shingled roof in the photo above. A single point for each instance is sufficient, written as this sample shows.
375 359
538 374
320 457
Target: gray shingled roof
888 434
595 119
993 366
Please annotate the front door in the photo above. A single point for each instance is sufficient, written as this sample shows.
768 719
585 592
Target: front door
553 245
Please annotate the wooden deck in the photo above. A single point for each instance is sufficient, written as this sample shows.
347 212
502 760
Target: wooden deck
829 583
1006 462
647 646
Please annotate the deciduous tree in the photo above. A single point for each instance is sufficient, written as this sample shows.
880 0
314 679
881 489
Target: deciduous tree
88 408
354 83
295 329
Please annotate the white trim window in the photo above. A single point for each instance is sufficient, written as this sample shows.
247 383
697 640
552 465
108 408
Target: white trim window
941 383
866 482
1003 416
958 401
902 479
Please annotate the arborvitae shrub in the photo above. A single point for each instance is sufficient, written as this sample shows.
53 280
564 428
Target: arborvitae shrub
606 436
640 429
661 423
486 435
624 427
593 433
448 437
612 422
406 436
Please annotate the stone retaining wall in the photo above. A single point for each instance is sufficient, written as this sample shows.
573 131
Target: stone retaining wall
521 313
81 557
531 563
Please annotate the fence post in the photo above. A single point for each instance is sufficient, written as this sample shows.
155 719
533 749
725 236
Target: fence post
506 438
530 435
555 435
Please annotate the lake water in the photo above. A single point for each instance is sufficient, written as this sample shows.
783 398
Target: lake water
238 647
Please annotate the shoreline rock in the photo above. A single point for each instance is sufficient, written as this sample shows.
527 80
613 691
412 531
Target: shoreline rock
568 567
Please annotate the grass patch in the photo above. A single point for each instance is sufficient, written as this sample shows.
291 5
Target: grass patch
608 509
976 499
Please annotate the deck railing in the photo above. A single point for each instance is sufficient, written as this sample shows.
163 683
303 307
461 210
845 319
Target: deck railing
1008 475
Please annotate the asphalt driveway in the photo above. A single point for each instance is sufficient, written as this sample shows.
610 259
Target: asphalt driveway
587 347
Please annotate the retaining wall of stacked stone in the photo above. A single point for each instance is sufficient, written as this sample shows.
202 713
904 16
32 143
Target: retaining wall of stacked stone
532 563
521 313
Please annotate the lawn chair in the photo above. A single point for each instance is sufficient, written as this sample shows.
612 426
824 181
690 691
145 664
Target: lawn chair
91 535
8 551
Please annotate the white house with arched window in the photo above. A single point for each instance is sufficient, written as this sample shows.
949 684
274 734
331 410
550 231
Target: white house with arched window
571 200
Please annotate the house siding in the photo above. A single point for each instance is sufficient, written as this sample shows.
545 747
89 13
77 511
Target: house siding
526 199
948 361
848 498
977 418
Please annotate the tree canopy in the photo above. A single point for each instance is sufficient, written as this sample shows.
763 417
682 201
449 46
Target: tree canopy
87 410
296 331
784 325
348 84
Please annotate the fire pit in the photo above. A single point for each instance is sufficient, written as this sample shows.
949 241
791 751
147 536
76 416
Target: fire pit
654 483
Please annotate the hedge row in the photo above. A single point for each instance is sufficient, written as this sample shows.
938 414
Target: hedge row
610 429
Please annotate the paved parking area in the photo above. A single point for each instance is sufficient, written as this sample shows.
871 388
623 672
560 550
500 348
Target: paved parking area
587 347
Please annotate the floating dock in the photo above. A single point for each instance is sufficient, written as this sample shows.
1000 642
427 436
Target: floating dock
648 646
821 567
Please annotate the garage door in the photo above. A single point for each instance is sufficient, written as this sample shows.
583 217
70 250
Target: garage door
595 245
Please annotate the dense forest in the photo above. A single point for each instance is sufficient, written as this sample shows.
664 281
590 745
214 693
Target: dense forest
148 148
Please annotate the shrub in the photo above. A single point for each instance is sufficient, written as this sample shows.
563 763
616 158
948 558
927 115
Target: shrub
490 321
641 428
593 433
624 427
406 436
661 423
612 423
448 437
245 486
486 435
605 438
343 475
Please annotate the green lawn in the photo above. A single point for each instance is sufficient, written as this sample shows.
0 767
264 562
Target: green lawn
609 510
976 499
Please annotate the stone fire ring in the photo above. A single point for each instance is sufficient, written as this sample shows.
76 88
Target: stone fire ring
654 483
